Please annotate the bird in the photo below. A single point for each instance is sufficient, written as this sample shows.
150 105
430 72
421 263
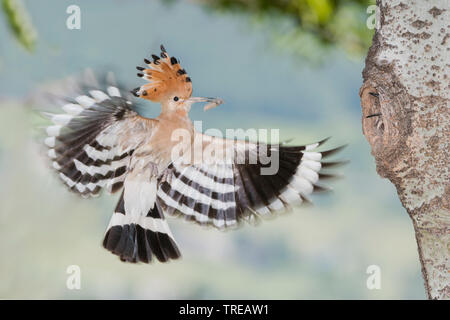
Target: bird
100 142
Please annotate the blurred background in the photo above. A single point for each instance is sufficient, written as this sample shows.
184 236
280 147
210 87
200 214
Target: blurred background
293 64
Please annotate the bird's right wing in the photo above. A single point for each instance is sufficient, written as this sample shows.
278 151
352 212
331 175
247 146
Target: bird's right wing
91 144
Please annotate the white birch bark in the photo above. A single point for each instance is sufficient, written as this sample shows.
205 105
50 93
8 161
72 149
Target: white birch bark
408 67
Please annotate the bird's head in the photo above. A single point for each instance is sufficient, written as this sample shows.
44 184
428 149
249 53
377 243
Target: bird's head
169 85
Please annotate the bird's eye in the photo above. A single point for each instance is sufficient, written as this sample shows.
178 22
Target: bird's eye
175 99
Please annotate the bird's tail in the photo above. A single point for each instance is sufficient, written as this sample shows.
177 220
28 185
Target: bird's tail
138 238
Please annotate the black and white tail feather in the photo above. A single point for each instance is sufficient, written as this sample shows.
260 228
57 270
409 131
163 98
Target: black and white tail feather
88 150
142 238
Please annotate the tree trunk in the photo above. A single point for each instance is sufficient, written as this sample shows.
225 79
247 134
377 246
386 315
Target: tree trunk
406 81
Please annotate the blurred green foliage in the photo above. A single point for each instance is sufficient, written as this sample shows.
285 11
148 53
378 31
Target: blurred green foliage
20 23
307 27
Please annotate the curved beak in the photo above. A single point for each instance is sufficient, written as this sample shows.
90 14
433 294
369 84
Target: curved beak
211 102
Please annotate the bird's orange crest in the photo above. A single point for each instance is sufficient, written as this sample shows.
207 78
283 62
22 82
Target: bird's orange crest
166 79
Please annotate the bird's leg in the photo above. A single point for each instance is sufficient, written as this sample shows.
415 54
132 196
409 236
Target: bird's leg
153 168
164 176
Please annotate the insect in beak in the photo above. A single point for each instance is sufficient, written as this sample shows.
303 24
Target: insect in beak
211 102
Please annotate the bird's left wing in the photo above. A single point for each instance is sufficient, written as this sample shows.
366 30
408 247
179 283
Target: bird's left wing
234 181
90 145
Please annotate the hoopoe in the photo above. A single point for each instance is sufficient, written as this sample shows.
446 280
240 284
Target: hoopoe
102 143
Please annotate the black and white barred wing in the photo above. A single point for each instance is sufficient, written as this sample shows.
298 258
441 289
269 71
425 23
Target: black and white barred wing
240 181
91 143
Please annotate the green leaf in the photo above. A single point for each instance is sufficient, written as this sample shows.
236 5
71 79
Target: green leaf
20 23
